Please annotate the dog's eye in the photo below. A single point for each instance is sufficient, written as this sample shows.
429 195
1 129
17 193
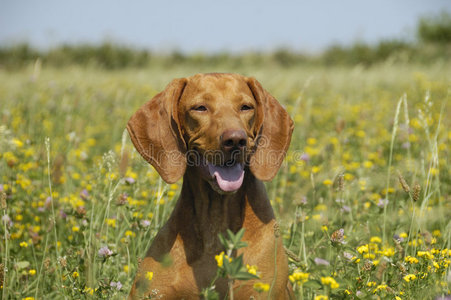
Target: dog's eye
199 108
246 107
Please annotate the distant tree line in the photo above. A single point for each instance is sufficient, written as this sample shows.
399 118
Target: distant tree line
432 43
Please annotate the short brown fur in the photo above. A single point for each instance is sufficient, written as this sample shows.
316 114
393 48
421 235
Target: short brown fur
168 126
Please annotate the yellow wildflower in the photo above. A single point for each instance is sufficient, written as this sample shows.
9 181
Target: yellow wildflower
380 287
369 256
89 291
409 277
403 235
330 281
375 239
368 164
315 169
387 251
327 182
426 254
149 276
411 260
130 233
111 222
437 233
252 269
299 277
435 264
320 207
362 249
220 259
261 287
311 141
316 217
348 176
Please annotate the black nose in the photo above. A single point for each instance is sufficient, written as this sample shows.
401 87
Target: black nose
233 139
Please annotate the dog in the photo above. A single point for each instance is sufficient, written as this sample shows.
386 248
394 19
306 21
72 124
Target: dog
224 134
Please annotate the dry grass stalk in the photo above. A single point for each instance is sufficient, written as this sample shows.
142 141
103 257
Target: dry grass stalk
403 183
3 200
123 164
381 269
47 263
416 192
340 182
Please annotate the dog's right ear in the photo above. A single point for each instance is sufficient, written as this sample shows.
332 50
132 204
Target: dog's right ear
155 131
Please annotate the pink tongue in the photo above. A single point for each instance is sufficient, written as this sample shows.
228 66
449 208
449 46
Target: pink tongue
229 179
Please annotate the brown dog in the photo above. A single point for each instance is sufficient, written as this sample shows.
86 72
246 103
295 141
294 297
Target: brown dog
223 133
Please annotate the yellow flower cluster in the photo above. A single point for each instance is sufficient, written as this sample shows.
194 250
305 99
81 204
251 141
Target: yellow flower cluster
409 277
380 287
330 281
369 251
261 287
252 269
220 259
411 259
299 277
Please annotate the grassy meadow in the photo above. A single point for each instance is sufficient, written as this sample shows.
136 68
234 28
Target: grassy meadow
363 197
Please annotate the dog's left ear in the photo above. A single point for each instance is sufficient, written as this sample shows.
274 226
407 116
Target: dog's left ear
155 131
274 128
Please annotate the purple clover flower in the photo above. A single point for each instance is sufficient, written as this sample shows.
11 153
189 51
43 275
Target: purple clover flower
382 203
84 194
117 285
321 262
145 223
6 219
130 180
63 215
105 252
305 157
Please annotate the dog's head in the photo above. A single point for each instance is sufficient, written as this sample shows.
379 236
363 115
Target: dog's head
223 124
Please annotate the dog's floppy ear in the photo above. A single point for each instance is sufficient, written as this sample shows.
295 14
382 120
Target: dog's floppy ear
155 131
273 128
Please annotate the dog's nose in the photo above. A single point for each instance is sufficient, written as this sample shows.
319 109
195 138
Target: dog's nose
233 139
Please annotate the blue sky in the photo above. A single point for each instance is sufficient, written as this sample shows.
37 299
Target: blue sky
211 26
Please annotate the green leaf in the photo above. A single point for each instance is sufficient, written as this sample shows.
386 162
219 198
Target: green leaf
227 266
223 240
239 235
313 284
240 244
235 267
231 236
242 275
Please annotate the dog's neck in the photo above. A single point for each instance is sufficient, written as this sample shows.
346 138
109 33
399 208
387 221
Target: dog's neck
207 213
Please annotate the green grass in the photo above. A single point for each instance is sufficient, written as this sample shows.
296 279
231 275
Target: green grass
71 182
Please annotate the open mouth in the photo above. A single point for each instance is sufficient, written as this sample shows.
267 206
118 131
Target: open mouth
228 178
